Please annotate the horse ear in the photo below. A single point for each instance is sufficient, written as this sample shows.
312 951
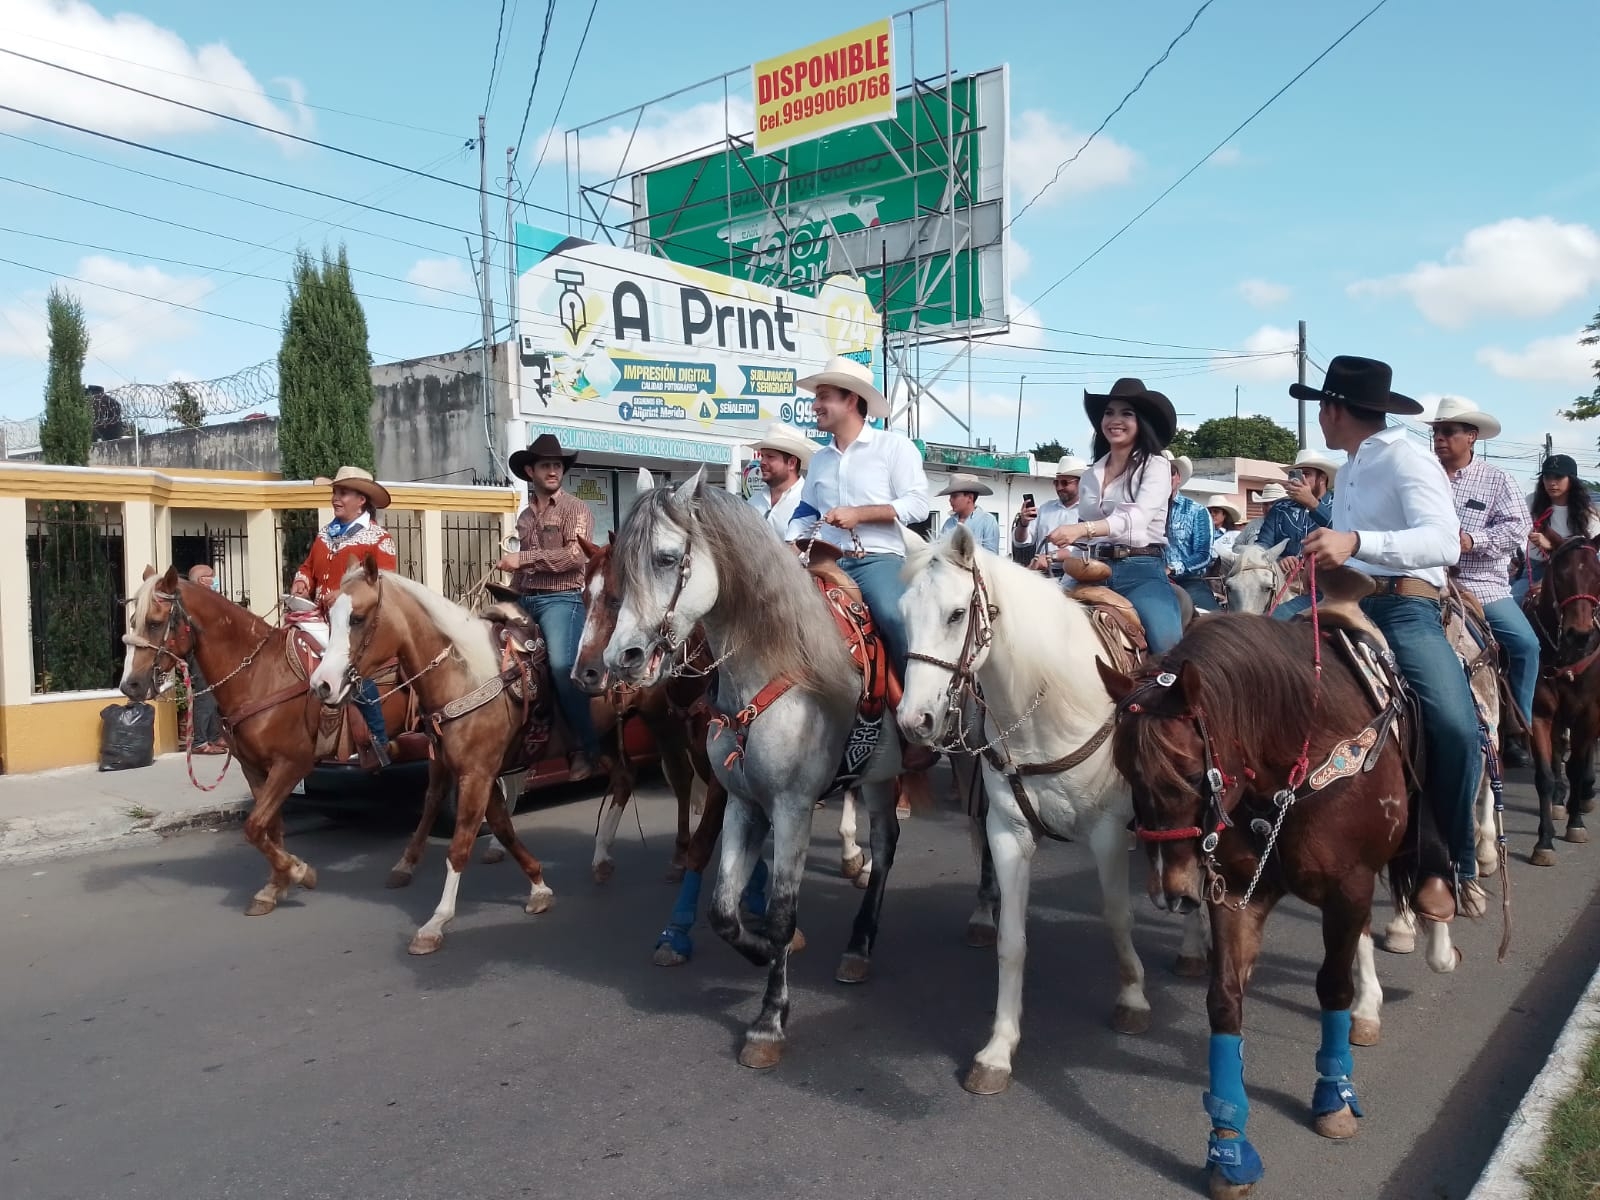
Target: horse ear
589 548
169 580
1276 552
148 571
1188 685
1118 686
685 492
963 550
1227 558
369 568
646 480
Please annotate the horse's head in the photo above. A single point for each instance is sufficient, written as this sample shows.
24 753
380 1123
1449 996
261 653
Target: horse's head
949 627
1254 577
358 638
1572 588
599 619
665 577
158 629
1160 747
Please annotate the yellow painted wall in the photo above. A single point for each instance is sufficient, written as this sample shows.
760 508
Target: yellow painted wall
66 733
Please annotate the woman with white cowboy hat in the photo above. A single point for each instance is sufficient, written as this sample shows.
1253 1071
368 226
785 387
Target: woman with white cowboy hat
345 542
964 490
1304 503
1225 521
783 454
1122 503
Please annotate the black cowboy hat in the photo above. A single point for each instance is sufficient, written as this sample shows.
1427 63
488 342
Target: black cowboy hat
546 445
1359 383
1153 408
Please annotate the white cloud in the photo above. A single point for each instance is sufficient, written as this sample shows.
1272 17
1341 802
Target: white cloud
77 35
22 332
994 415
1259 293
1039 144
1269 339
1516 267
621 149
1228 156
440 275
1558 359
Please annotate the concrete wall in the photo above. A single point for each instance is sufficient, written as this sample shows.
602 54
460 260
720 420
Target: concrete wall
428 419
233 446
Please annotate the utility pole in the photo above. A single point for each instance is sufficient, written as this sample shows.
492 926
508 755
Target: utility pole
1236 420
511 245
487 299
1017 445
1300 364
1549 449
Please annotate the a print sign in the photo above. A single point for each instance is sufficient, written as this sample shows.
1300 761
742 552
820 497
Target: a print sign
830 85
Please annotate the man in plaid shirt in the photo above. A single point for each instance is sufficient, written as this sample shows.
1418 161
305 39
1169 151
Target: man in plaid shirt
1494 525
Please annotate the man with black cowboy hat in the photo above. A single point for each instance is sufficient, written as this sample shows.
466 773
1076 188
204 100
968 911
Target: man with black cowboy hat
548 573
1394 518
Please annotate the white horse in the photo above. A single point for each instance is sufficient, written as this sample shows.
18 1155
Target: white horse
1255 575
973 618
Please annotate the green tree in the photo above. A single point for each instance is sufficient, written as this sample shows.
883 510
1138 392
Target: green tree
65 432
1051 451
1238 437
1586 407
187 410
1182 444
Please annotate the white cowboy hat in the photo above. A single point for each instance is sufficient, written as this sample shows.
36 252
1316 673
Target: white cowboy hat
1071 465
1272 493
354 479
1318 461
1459 411
962 482
1227 506
1181 465
786 439
852 376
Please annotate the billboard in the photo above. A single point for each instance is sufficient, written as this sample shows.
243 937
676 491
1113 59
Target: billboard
611 336
830 85
773 219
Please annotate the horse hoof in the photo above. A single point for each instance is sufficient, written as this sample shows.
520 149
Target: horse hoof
851 867
398 879
1364 1032
666 956
259 907
1192 968
603 871
1130 1020
1221 1189
1576 836
797 943
863 880
1488 866
674 873
1558 812
980 935
760 1056
1587 806
852 969
492 855
309 879
1338 1126
539 902
425 943
1545 856
984 1080
1400 941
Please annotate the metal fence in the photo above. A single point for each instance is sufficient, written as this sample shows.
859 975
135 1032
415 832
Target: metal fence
405 526
218 542
75 575
293 531
471 547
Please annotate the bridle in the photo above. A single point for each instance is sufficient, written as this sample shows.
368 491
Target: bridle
1570 671
353 675
175 610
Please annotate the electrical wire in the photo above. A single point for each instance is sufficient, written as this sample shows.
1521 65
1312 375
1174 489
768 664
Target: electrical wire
560 105
494 59
538 69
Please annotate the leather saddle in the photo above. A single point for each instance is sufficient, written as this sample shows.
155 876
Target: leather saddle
342 732
1117 623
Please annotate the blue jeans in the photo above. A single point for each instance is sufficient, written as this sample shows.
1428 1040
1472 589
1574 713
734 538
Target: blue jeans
1520 585
366 702
1143 582
560 618
1511 630
1199 591
878 577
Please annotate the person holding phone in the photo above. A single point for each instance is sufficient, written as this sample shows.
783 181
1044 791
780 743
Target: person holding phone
1030 532
1306 505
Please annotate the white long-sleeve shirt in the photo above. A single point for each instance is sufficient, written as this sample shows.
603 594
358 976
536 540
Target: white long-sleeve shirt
1052 515
1398 499
879 467
779 515
1135 519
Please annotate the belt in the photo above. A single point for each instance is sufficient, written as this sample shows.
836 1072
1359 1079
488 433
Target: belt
1405 585
1116 553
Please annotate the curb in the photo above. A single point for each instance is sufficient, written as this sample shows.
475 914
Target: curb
1523 1139
87 831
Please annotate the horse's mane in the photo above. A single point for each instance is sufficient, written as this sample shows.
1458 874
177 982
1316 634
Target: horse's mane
231 610
466 632
766 601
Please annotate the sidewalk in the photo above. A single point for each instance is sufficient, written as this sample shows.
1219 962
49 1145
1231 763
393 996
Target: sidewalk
79 809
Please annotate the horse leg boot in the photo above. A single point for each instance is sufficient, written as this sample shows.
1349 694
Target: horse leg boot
472 802
1235 1166
439 782
1108 841
1334 1105
990 1073
856 963
540 895
675 946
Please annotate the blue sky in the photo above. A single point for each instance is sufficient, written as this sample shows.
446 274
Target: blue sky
1429 194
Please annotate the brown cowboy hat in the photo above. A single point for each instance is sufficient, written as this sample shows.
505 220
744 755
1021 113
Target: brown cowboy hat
354 479
1153 408
546 445
1358 383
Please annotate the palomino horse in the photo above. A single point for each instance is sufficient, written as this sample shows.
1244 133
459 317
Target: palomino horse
482 729
788 692
1565 613
258 674
981 626
1222 741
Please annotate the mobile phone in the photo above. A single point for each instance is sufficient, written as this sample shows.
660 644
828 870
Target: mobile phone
1027 498
1297 476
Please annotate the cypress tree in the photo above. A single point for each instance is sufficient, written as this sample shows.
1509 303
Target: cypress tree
65 432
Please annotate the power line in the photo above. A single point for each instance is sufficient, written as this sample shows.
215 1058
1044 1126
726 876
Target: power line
1207 156
561 104
494 59
1076 154
538 69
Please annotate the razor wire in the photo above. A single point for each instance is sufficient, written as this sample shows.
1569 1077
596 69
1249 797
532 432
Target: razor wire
253 388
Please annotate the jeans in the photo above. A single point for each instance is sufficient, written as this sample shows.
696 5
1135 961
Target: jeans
560 619
878 577
1199 591
366 702
1520 586
1512 631
1142 581
204 719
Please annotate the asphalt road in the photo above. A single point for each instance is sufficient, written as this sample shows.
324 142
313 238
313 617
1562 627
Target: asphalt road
157 1043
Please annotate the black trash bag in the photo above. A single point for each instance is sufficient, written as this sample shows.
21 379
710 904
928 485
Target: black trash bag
127 736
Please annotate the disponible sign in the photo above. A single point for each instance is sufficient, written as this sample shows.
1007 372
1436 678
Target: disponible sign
828 86
611 336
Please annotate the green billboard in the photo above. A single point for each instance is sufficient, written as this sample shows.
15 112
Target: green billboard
770 219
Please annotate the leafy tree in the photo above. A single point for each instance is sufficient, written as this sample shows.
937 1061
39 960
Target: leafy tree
68 423
187 410
1182 444
1050 451
1238 437
1586 407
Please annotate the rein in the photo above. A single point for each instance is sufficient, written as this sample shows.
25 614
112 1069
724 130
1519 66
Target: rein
1291 575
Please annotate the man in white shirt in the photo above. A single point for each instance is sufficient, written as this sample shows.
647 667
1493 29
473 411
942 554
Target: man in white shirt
1032 527
862 485
784 453
1394 518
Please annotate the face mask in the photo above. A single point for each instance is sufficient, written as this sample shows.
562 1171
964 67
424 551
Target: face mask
213 585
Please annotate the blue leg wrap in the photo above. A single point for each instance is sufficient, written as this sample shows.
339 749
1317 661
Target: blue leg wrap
754 897
1334 1064
684 911
1235 1159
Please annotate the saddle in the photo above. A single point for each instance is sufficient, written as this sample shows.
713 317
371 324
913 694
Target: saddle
1117 623
524 676
342 732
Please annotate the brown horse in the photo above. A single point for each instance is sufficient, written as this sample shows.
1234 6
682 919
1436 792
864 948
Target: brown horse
1222 741
258 674
1565 613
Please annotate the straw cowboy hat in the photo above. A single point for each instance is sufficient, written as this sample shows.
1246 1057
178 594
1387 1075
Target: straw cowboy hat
1153 408
851 376
1454 410
1272 493
1071 466
786 439
546 445
962 482
1227 506
354 479
1181 465
1359 383
1317 461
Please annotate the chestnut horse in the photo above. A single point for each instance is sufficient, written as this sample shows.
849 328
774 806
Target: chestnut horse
271 715
1223 741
